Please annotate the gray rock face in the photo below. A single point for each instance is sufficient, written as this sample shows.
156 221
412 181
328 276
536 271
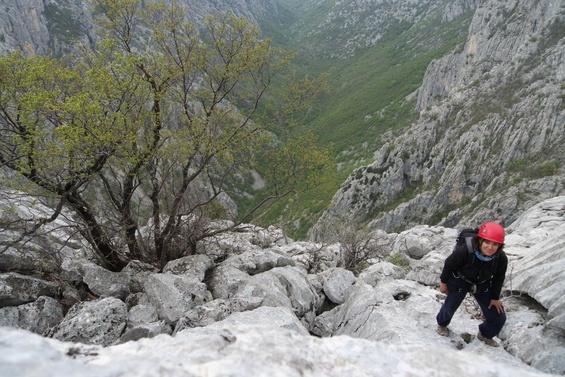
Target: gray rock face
244 351
540 246
335 281
41 27
210 310
172 295
49 247
488 142
266 277
93 322
106 283
537 273
215 311
38 316
145 330
17 289
264 317
381 271
193 265
232 276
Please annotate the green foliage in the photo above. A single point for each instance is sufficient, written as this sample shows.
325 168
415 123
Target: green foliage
400 260
518 165
361 266
526 168
376 83
62 24
549 168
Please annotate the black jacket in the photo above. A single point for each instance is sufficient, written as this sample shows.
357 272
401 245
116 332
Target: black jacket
462 262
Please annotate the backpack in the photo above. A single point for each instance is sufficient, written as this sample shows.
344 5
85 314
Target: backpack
465 236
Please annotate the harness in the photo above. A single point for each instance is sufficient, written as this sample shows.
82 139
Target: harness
473 286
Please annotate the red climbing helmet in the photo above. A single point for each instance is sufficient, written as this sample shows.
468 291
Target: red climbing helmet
492 232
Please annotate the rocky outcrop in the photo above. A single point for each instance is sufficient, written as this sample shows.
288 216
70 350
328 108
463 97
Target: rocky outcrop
539 243
263 300
42 27
489 139
243 351
17 289
252 10
38 316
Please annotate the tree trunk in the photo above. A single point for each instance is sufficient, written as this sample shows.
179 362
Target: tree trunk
94 233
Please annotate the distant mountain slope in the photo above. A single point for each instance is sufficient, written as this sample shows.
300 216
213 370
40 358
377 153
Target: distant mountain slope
489 141
376 54
39 27
341 29
473 134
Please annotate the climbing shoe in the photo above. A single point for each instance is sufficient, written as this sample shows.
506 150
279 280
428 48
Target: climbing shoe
442 330
487 341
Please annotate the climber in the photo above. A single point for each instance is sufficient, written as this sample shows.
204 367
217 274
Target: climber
481 272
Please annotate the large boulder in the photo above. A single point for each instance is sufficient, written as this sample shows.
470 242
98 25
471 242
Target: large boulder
17 289
536 277
172 295
231 277
38 316
216 310
381 271
145 330
192 265
264 317
419 241
104 283
286 286
99 322
335 281
538 268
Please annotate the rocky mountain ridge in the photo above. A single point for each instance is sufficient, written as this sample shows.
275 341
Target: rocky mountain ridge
489 140
343 29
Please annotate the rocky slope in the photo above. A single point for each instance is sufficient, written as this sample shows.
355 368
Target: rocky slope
41 27
343 29
255 303
489 140
38 27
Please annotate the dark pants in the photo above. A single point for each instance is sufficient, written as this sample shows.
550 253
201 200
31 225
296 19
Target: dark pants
457 290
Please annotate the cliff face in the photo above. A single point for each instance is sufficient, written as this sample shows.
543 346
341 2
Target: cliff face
41 27
489 141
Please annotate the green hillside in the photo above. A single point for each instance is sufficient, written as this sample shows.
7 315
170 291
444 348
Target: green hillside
370 95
